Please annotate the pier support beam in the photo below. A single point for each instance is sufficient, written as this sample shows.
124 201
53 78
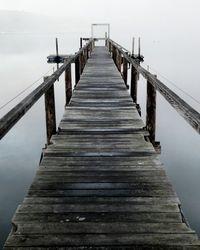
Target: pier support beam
50 112
134 80
151 112
109 46
119 60
77 70
114 54
68 85
125 71
81 58
81 42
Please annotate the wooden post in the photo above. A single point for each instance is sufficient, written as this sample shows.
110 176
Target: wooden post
151 112
110 47
106 39
93 44
81 62
68 85
91 47
87 53
77 70
134 79
85 56
114 54
133 46
50 112
119 60
81 42
139 47
125 70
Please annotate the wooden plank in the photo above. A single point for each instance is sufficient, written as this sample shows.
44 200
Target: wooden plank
50 113
100 208
112 247
99 228
148 217
102 240
102 193
94 200
100 183
183 108
16 113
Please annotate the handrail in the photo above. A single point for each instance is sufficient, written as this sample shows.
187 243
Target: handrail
182 107
16 113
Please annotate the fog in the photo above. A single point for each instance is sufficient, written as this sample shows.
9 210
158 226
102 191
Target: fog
170 45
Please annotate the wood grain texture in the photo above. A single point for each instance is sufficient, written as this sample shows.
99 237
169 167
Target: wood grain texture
100 184
182 107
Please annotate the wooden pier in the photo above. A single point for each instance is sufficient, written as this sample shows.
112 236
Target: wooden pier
100 183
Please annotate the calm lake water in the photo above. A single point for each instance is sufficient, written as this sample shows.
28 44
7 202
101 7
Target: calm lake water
23 60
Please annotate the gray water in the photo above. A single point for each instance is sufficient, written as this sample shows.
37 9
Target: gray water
23 60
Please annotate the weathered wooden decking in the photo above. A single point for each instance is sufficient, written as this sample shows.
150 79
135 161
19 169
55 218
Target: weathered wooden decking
100 183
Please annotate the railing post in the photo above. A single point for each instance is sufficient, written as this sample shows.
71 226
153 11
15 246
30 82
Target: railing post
114 53
81 42
151 112
85 56
134 79
50 112
81 62
87 53
68 85
125 70
106 39
118 60
110 47
77 70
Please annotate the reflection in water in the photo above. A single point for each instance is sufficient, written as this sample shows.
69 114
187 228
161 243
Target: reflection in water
21 148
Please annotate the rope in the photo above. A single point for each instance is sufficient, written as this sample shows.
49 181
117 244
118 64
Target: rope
176 86
20 93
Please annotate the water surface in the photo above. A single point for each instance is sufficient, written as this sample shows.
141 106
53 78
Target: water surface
24 61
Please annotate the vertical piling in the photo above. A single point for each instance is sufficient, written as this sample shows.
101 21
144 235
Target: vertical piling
119 60
125 70
50 112
151 111
81 42
134 80
106 39
114 53
81 62
68 85
77 70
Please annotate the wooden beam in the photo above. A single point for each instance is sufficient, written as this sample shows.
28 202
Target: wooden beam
77 70
50 112
119 61
68 85
81 42
125 71
110 46
114 54
16 113
87 53
82 62
151 112
183 108
134 80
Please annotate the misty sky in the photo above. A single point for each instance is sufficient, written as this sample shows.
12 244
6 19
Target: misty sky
157 12
136 16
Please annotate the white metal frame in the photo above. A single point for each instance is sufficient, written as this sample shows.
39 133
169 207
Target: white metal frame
100 24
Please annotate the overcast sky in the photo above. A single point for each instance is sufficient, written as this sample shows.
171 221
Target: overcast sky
107 9
153 15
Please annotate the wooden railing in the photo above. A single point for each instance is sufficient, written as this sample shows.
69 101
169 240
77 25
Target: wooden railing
121 56
47 89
